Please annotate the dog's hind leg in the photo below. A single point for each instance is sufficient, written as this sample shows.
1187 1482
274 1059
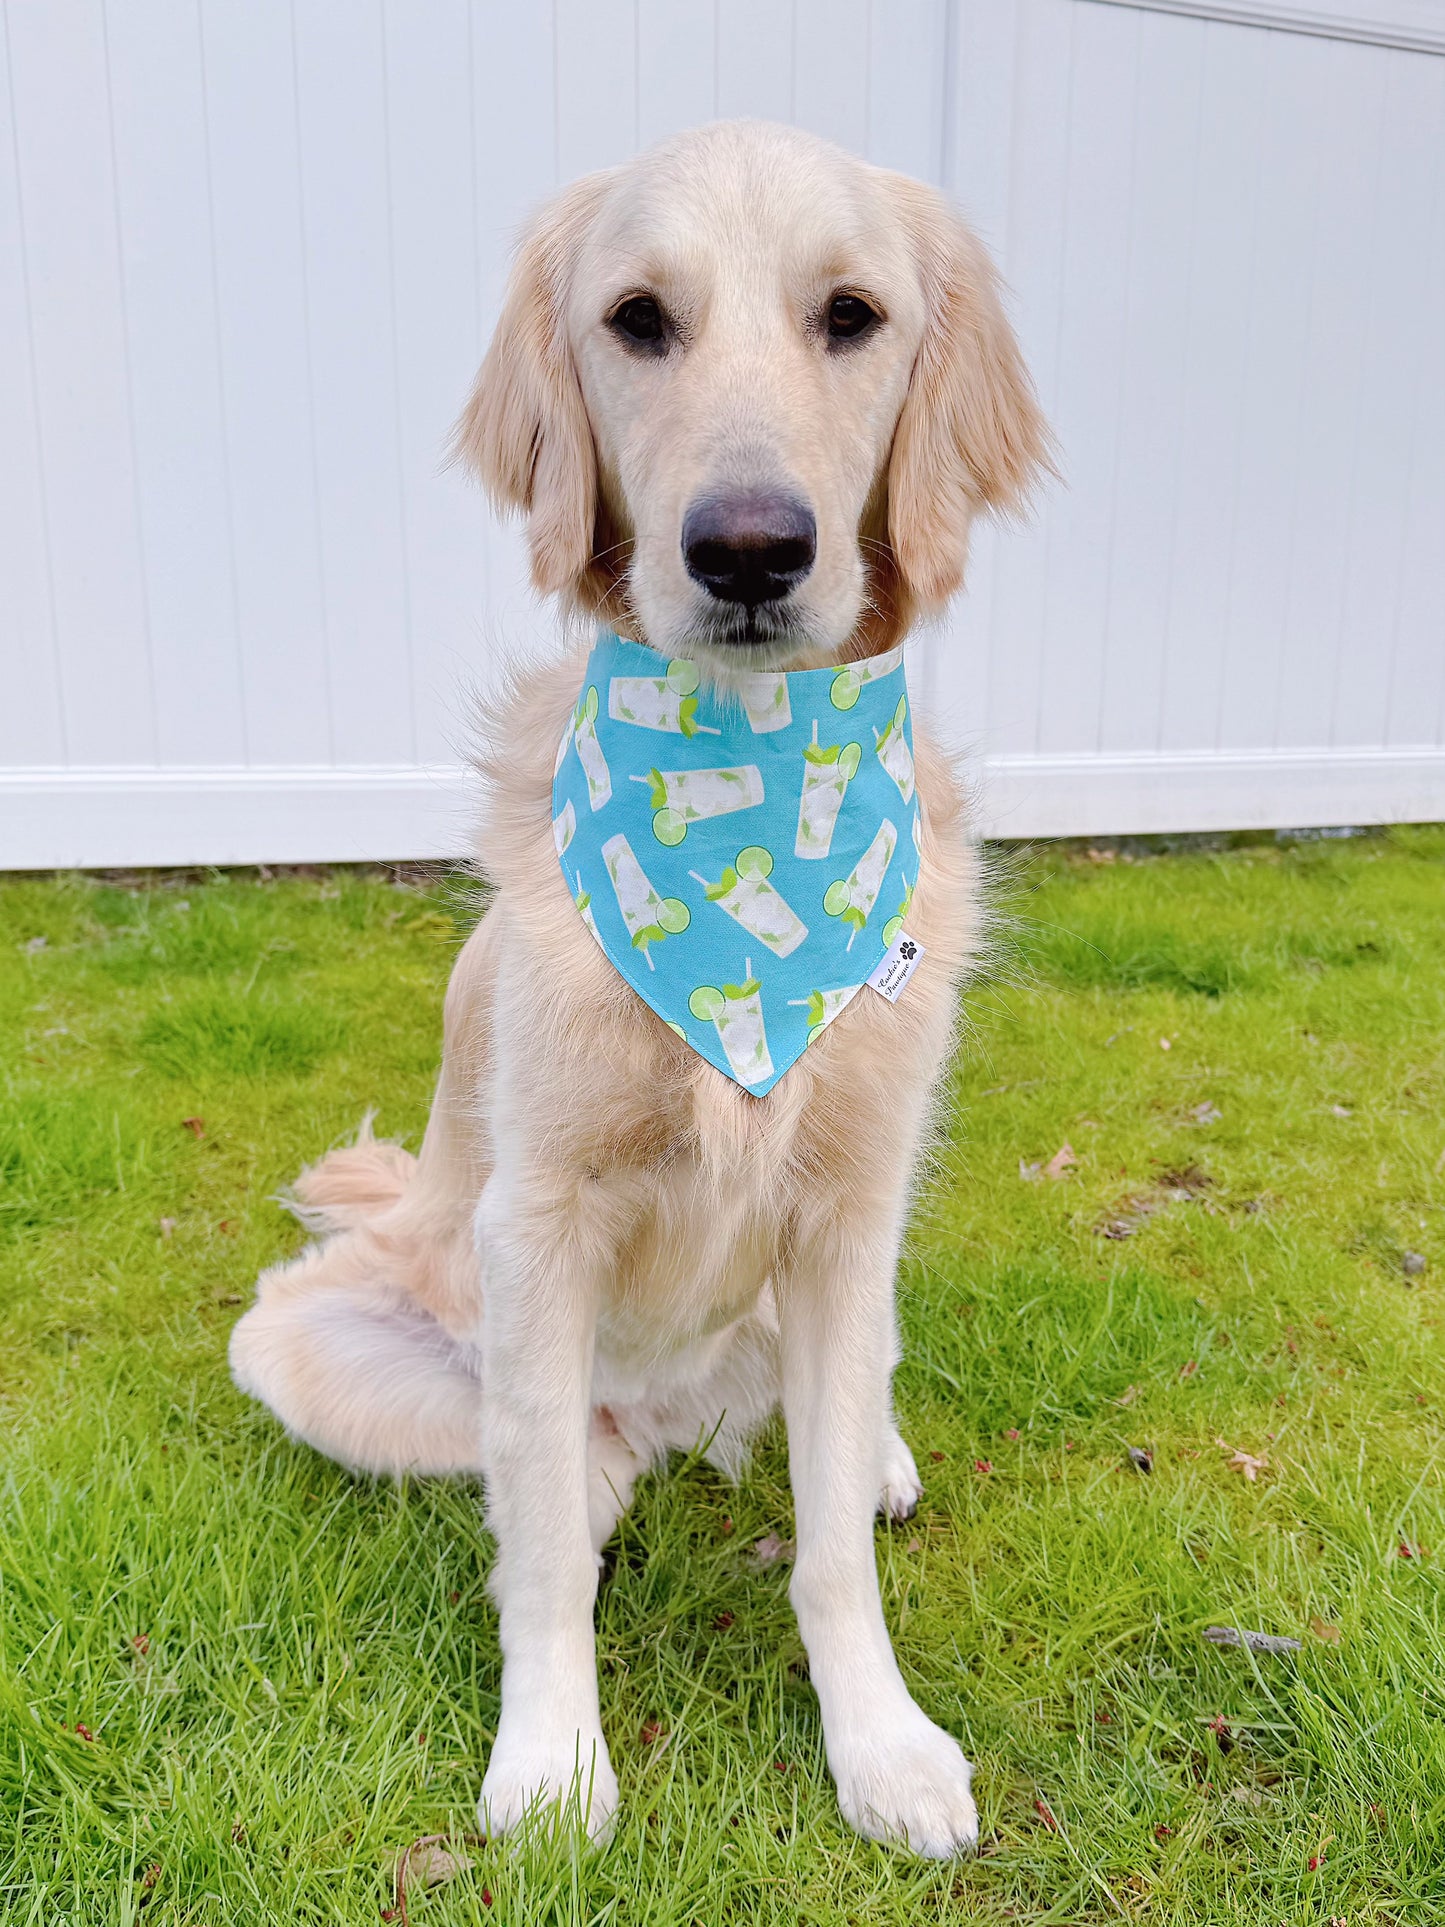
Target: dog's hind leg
902 1487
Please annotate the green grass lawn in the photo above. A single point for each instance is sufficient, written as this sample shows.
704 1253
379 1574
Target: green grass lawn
235 1682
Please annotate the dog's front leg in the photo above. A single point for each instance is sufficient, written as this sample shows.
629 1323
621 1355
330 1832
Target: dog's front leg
538 1325
899 1776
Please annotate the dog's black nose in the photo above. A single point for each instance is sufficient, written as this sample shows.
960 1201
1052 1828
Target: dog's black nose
749 548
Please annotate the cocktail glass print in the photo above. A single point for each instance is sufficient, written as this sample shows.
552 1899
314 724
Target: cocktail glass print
765 701
852 897
854 677
667 702
564 827
895 922
683 796
894 754
589 751
828 769
582 897
736 1012
744 892
823 1006
650 917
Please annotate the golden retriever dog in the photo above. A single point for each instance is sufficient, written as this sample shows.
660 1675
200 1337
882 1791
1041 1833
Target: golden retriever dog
606 1249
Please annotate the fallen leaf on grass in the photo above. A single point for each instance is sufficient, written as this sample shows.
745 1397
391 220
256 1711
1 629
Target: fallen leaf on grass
1045 1813
429 1862
194 1125
1322 1629
1254 1642
1248 1463
1063 1160
1127 1396
1189 1369
770 1549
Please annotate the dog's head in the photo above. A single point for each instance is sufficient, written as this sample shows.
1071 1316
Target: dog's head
750 393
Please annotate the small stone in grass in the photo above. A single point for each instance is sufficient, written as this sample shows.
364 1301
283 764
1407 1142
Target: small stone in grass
1255 1642
1412 1263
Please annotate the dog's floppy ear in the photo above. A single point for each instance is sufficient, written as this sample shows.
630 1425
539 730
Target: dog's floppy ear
524 430
970 435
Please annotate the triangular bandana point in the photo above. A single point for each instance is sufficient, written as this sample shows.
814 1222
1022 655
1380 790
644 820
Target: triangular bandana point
745 860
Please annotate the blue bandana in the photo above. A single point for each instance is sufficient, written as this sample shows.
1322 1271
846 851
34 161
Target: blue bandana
745 860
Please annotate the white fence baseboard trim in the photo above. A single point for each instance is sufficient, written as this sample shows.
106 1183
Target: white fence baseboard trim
116 818
1149 793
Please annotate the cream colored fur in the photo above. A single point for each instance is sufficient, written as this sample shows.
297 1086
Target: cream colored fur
606 1249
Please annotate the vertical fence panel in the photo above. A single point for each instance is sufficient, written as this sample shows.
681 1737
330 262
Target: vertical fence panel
162 196
262 288
61 90
32 728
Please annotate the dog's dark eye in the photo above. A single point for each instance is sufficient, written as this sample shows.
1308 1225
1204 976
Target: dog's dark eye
849 316
639 320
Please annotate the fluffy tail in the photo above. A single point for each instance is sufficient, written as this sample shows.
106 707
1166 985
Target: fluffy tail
340 1342
352 1185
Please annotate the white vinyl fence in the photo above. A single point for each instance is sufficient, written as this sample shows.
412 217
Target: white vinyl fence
249 255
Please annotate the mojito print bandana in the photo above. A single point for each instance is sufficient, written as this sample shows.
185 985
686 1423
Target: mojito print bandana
745 860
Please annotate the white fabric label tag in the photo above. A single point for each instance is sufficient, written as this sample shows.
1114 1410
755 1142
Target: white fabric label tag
898 964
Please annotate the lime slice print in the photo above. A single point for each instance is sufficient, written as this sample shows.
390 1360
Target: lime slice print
706 1002
589 704
754 861
669 828
676 1029
836 898
850 759
674 915
891 928
682 676
844 692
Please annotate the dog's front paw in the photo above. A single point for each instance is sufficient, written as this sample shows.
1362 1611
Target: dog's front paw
902 1487
908 1785
571 1782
